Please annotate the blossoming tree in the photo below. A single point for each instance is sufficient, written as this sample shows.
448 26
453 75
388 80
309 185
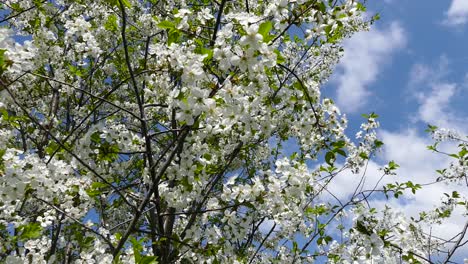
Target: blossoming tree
153 131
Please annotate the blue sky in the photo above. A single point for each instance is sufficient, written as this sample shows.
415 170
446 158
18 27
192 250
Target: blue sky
411 68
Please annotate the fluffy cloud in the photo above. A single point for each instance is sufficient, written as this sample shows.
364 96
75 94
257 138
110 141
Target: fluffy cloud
434 106
417 164
365 55
428 85
422 74
457 13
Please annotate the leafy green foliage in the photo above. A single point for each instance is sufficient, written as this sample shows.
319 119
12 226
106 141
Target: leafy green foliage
4 63
264 30
30 231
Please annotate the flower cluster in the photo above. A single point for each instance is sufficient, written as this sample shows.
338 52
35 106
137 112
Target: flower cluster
372 240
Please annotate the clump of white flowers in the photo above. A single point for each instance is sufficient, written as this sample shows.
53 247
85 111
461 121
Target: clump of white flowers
443 134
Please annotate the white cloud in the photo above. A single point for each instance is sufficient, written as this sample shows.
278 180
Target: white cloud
413 157
345 184
365 55
434 95
408 149
457 13
434 108
421 74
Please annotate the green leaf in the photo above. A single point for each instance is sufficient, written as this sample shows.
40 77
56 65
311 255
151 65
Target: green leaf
410 258
362 228
75 70
264 30
341 152
16 7
96 137
339 144
38 3
361 7
279 58
111 23
378 143
207 156
431 128
322 7
201 49
462 152
30 231
371 115
173 36
316 210
4 63
2 58
330 158
392 165
363 155
98 185
431 147
93 192
147 260
126 3
96 189
293 156
137 248
397 194
376 17
166 24
185 183
295 247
